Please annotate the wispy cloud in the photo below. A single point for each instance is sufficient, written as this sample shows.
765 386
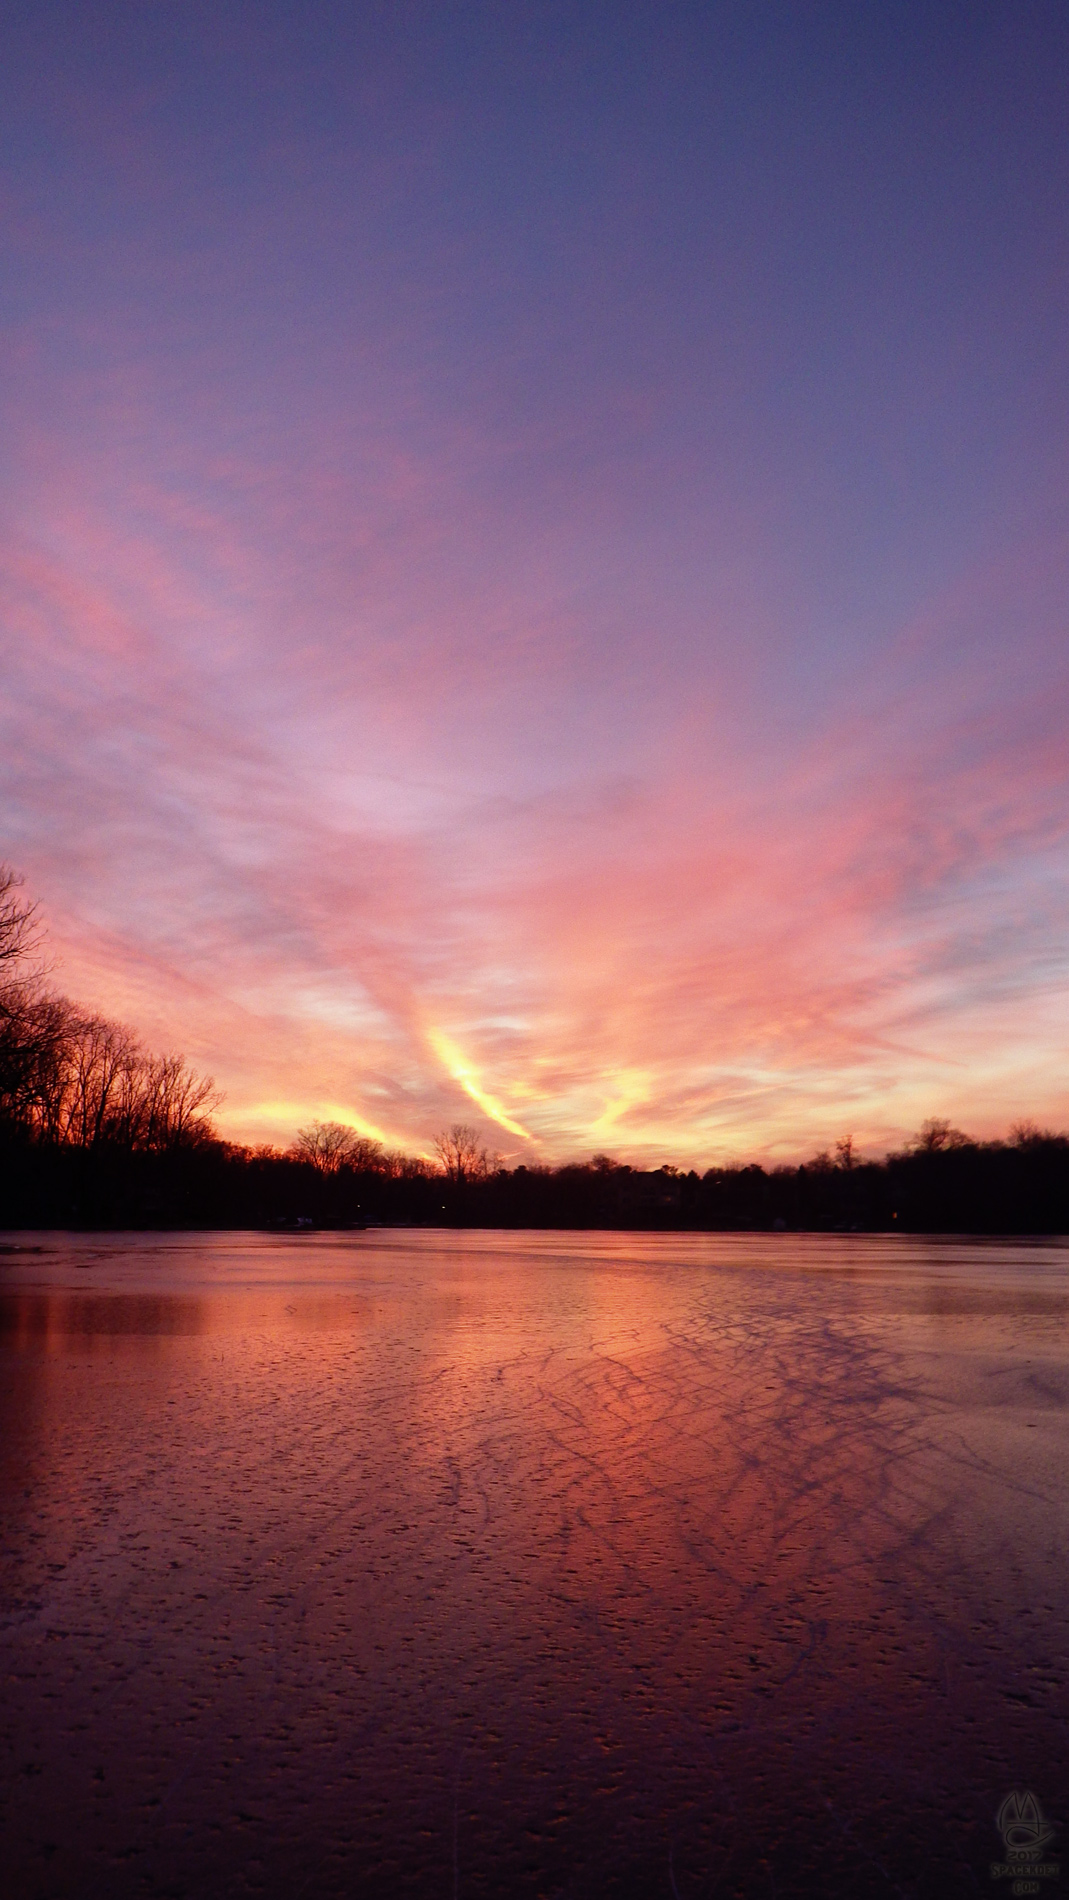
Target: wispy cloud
477 640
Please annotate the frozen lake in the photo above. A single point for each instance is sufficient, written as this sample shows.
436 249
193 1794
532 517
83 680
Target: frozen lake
458 1564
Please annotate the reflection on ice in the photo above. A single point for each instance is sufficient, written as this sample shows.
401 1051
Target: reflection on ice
529 1563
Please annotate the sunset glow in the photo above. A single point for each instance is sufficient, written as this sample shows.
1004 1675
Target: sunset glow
534 568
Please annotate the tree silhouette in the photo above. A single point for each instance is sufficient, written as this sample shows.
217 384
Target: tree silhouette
332 1146
18 921
74 1078
937 1134
463 1156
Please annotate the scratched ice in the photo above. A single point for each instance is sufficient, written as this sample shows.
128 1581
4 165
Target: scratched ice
483 1564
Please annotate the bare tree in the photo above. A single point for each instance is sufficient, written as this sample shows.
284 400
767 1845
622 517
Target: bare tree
937 1134
367 1156
105 1066
1026 1133
35 1036
177 1103
129 1122
332 1146
68 1075
18 920
23 1024
402 1167
845 1155
78 1079
463 1156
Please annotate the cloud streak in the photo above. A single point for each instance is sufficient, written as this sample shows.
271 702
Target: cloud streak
477 635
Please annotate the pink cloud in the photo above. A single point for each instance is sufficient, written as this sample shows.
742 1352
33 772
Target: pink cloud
327 763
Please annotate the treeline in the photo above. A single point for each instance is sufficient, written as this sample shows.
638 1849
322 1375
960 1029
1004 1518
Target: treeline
1020 1186
88 1115
941 1182
97 1131
70 1078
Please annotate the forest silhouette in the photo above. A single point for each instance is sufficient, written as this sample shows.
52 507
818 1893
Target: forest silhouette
97 1131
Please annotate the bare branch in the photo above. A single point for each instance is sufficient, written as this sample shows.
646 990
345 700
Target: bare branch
18 921
462 1155
332 1146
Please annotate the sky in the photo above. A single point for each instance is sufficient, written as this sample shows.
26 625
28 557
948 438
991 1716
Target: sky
534 557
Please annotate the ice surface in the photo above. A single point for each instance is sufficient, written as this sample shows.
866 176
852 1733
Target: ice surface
512 1564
